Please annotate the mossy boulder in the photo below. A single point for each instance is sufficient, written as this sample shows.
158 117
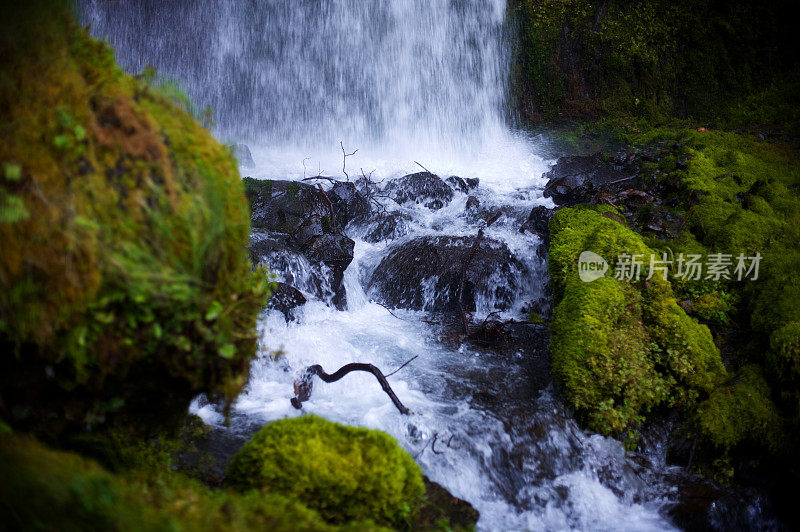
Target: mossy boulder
125 285
621 347
739 412
345 473
711 308
46 489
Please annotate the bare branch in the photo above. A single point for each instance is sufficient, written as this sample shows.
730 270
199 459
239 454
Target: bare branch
423 167
303 386
332 180
406 363
330 207
345 155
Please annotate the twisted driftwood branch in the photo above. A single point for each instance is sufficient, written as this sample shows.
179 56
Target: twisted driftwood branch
304 385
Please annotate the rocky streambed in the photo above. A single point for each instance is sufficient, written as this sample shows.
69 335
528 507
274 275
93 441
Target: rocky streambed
383 272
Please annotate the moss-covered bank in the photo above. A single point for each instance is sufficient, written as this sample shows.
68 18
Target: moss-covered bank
125 285
46 489
615 354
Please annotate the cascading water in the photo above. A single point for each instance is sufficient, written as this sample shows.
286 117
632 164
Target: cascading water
402 81
398 80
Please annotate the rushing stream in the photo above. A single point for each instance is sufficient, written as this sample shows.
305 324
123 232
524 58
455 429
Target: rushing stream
402 81
484 425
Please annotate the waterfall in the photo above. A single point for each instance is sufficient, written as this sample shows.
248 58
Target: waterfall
411 79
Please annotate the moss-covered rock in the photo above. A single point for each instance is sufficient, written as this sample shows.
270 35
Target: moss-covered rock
711 308
44 489
738 412
345 473
125 284
621 347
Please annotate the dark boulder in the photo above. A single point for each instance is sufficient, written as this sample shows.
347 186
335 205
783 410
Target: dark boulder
285 298
275 252
578 179
473 204
538 223
348 202
291 219
425 274
282 206
463 185
422 188
439 509
703 505
387 226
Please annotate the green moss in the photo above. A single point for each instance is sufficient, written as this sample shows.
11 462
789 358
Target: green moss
137 230
535 318
739 412
345 473
600 355
727 64
783 360
252 187
736 194
621 348
711 308
43 489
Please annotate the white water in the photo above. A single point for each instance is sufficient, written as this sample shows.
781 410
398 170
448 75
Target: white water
401 81
521 461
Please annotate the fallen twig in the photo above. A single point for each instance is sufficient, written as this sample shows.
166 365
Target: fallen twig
345 155
423 167
304 385
407 362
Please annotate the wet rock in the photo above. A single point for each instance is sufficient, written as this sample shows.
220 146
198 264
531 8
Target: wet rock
387 226
348 202
473 204
440 508
281 206
577 179
422 188
295 234
243 156
276 254
702 505
264 243
463 185
538 223
285 298
425 274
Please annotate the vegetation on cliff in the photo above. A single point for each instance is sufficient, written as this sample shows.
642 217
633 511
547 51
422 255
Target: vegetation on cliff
728 63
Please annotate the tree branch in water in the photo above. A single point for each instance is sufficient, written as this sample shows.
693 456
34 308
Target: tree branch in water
304 385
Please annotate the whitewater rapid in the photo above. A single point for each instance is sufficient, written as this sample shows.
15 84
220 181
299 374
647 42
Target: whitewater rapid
511 450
